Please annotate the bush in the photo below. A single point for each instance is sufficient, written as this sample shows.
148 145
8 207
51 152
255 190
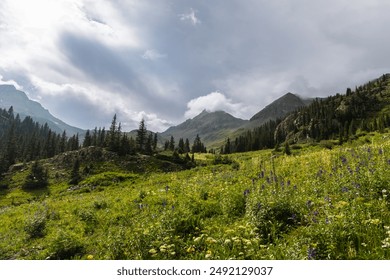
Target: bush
274 219
35 226
38 177
66 245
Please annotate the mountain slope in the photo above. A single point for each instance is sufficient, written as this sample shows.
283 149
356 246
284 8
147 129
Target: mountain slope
212 127
278 109
10 96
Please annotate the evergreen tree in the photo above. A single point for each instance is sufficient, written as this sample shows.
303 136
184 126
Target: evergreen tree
37 178
187 148
87 139
75 173
141 136
181 146
172 144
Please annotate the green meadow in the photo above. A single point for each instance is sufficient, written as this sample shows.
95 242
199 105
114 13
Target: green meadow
324 201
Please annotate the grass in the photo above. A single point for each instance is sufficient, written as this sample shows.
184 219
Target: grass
322 202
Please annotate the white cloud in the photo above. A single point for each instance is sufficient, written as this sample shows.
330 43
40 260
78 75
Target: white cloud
10 82
190 17
152 55
212 102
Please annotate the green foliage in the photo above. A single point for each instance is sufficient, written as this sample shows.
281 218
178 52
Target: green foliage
65 245
318 204
35 226
37 178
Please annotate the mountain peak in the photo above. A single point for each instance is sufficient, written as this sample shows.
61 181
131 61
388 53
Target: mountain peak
278 109
10 96
208 125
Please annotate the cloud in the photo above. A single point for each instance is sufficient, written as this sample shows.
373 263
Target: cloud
106 56
190 17
152 55
214 101
10 82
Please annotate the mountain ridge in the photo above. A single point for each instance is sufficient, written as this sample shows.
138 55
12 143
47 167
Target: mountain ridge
22 105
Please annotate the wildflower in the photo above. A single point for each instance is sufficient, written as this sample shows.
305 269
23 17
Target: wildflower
288 183
163 248
380 151
152 251
261 175
197 239
263 187
211 240
315 213
246 192
343 159
344 189
295 187
190 249
311 253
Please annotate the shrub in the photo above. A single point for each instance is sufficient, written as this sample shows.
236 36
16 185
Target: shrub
35 226
38 177
65 245
274 219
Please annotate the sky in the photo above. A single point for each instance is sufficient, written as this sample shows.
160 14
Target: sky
166 61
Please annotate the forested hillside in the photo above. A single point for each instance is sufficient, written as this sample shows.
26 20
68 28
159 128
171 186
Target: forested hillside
338 117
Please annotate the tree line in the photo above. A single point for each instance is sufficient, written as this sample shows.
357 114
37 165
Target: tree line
338 117
26 140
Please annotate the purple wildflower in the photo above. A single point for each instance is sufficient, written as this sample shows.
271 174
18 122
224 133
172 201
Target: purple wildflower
288 183
246 192
311 253
295 187
343 159
380 151
344 189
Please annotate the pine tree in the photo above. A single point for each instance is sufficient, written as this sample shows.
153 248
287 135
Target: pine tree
75 174
141 136
37 178
172 144
181 146
87 139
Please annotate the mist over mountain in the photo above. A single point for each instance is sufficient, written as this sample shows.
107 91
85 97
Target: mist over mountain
22 105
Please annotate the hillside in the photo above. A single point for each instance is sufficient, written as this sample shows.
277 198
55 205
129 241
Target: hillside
210 126
316 204
278 109
10 96
338 117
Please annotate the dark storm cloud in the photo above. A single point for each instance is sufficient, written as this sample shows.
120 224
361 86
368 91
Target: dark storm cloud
167 59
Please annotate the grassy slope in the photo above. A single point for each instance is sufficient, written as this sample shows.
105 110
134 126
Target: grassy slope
317 203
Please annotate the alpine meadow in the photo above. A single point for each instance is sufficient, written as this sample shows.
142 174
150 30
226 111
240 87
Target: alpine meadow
311 184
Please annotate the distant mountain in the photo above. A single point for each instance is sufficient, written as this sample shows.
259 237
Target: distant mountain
212 127
278 109
10 96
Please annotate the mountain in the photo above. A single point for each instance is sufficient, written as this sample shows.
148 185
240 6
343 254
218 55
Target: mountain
278 109
10 96
212 127
367 108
